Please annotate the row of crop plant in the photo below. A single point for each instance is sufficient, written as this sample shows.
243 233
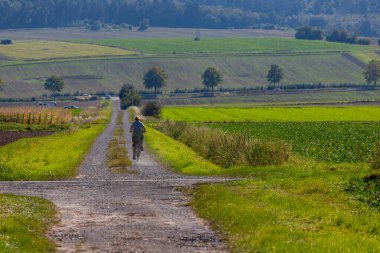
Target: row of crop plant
32 115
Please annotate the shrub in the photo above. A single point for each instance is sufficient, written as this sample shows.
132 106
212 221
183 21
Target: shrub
227 150
152 109
375 164
129 97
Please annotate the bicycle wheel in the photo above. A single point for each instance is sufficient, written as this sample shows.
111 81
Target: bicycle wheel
138 151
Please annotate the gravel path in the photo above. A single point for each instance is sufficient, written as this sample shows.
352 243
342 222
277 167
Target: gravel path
105 212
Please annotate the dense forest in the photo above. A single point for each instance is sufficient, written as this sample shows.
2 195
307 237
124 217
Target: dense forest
355 15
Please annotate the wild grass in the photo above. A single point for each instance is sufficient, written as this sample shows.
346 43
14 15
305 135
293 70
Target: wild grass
35 115
263 114
24 222
43 50
53 157
325 141
178 156
227 150
117 152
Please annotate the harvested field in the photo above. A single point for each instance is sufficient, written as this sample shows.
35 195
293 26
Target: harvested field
7 137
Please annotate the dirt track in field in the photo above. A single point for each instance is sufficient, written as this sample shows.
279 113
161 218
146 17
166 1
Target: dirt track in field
105 212
11 136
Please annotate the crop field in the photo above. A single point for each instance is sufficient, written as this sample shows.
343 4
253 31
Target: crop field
265 114
35 115
43 50
325 141
227 45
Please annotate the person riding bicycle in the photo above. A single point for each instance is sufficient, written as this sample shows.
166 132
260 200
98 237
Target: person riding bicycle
137 129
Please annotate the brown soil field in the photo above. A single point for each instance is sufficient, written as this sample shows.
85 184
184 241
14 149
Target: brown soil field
7 137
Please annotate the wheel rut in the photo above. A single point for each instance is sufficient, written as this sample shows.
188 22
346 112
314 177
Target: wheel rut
105 212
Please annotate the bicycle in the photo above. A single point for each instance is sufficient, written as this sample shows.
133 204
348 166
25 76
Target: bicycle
136 147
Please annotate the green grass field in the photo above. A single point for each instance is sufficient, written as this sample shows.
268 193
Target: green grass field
265 114
24 222
298 208
229 45
42 50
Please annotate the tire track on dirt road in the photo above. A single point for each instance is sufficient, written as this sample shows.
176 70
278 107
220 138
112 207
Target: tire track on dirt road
105 212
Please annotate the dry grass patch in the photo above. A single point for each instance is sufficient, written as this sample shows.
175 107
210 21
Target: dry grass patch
43 50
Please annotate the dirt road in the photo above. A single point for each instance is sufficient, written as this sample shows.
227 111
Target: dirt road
105 212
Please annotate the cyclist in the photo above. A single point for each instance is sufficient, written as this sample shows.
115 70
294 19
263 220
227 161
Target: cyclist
137 129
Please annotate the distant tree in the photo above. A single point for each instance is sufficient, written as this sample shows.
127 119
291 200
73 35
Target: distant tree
144 25
129 97
275 74
54 84
378 42
96 26
372 72
156 78
308 33
341 36
212 78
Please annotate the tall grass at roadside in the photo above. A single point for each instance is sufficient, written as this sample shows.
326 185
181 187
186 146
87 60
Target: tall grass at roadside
227 150
178 156
52 157
24 222
117 152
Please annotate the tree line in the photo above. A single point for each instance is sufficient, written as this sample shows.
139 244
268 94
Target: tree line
182 13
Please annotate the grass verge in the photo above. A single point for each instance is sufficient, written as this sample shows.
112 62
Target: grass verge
24 222
117 152
178 156
300 207
52 157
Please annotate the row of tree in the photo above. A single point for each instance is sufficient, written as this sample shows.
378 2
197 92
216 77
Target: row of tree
156 78
179 13
336 35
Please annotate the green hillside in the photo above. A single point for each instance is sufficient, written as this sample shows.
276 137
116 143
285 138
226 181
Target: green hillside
244 62
184 72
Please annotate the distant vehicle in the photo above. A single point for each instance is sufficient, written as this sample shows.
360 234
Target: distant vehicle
6 42
108 96
47 104
71 107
